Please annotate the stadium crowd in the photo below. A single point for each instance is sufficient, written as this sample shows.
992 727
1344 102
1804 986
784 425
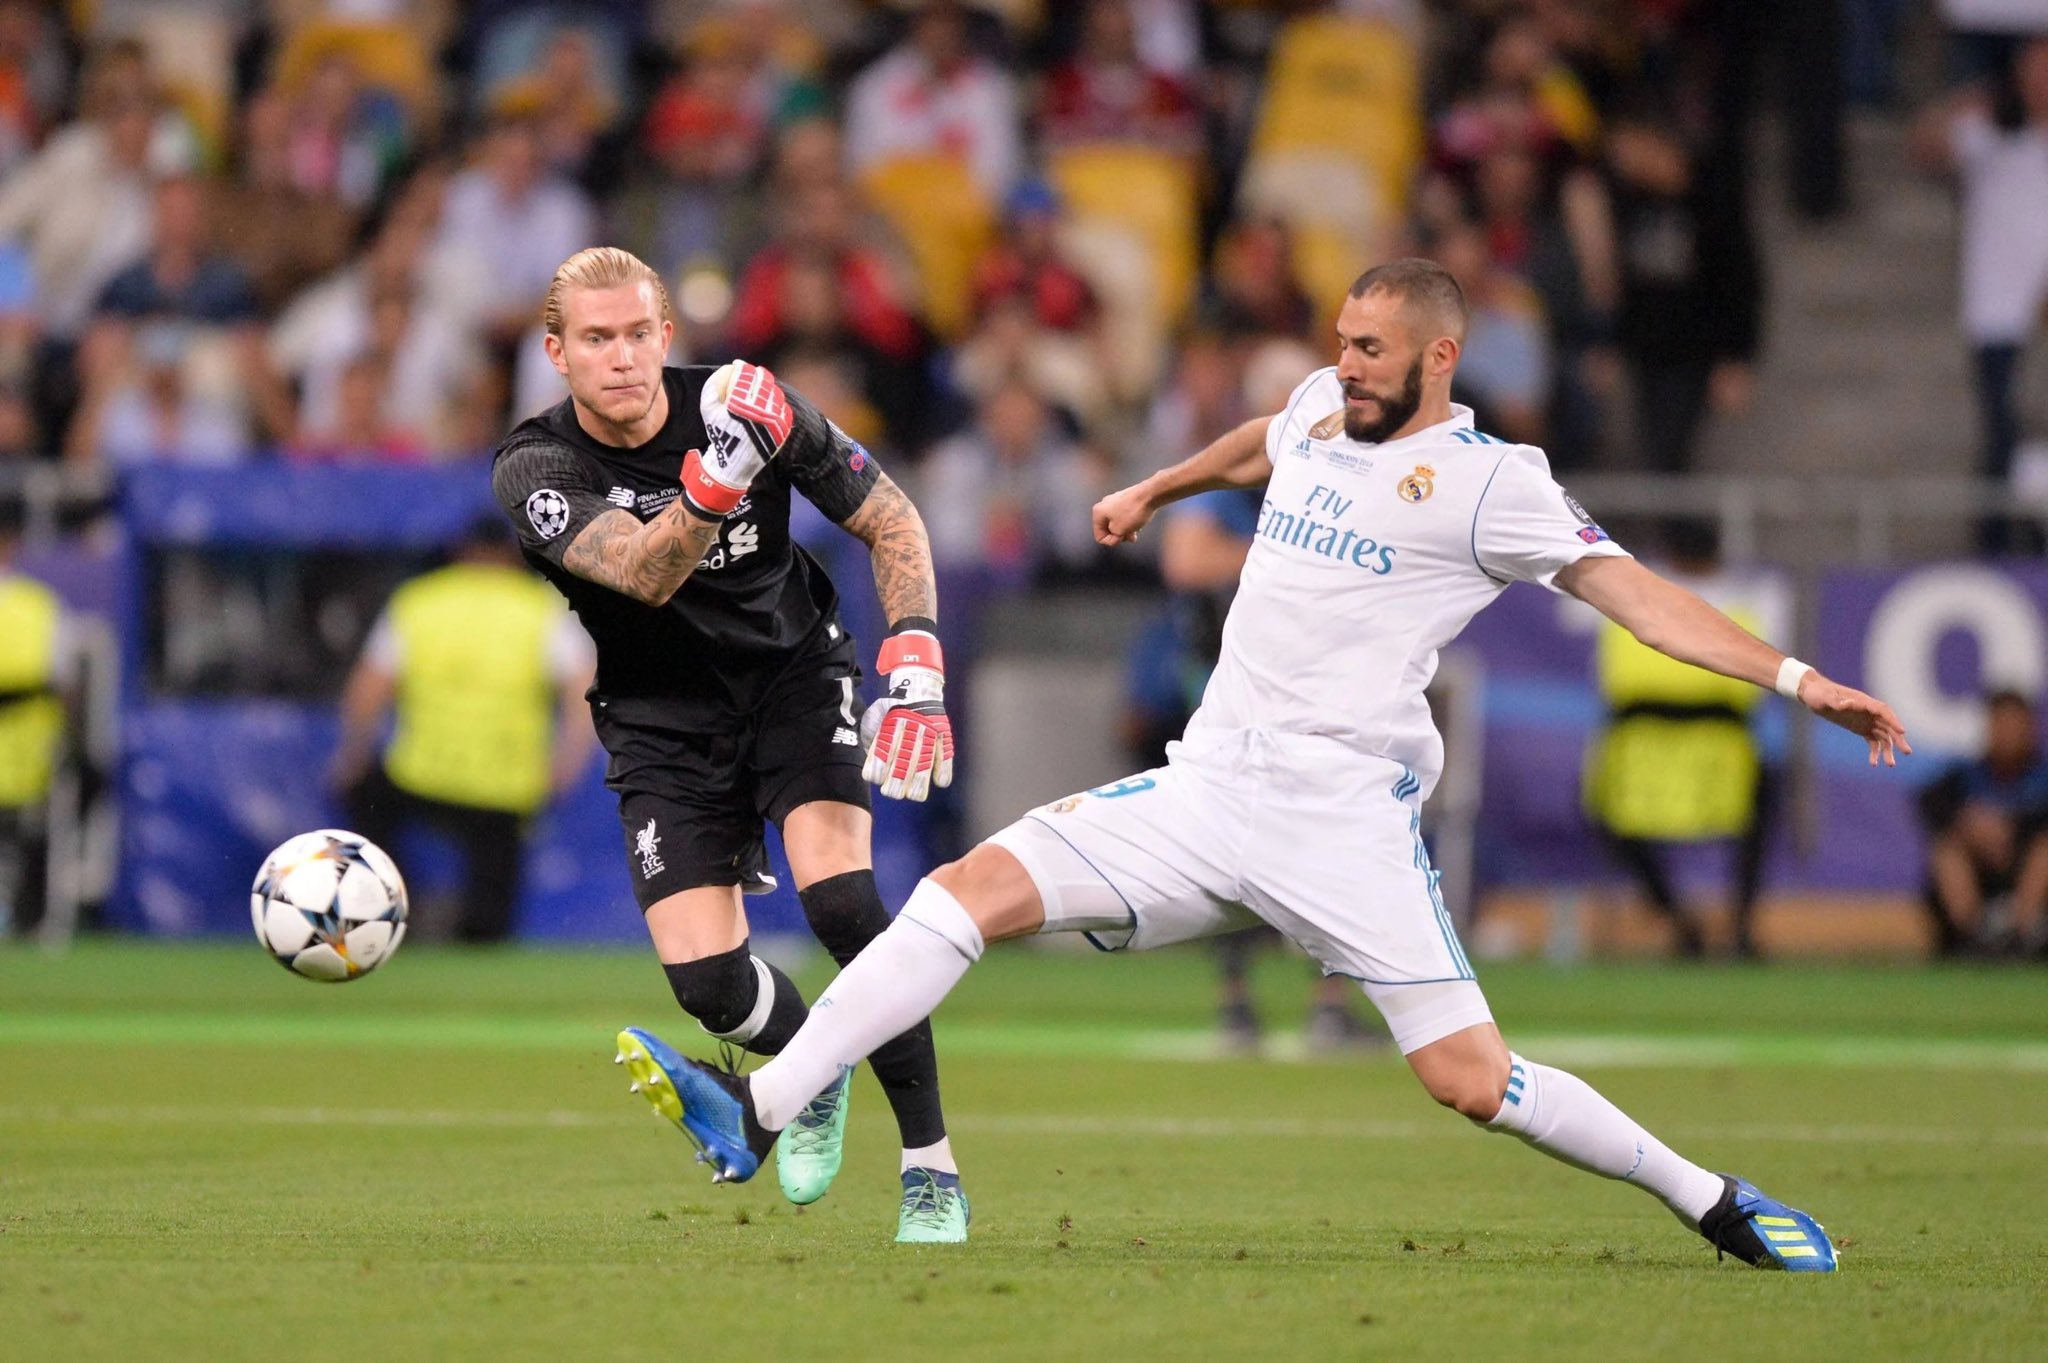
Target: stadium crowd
1026 250
1016 247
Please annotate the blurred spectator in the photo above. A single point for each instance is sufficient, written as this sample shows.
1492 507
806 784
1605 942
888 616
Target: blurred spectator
933 140
1203 399
1107 93
1997 145
363 429
1010 495
434 366
1525 100
165 369
1868 67
1676 761
568 103
934 96
285 235
159 393
182 278
1253 289
1064 370
343 137
1026 263
81 208
35 76
1529 238
1504 370
1987 826
1691 300
18 438
811 321
819 218
518 220
765 59
688 198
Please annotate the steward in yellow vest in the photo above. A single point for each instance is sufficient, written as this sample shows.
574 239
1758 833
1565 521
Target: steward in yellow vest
32 675
483 671
1676 761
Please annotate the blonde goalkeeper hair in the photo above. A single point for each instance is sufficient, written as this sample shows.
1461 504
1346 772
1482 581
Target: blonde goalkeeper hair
598 267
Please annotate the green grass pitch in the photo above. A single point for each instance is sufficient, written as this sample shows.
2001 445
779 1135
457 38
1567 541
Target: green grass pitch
204 1158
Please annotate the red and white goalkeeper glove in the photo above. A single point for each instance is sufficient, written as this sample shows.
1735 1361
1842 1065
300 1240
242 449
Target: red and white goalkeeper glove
747 417
909 739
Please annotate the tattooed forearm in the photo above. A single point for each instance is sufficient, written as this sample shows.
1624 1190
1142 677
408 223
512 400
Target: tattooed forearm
646 562
894 533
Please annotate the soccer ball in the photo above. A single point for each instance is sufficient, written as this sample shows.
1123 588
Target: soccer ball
329 905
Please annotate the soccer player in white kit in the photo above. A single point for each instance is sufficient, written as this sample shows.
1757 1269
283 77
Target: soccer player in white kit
1295 796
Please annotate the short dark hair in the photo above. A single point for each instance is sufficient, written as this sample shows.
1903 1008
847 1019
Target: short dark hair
2007 696
1421 284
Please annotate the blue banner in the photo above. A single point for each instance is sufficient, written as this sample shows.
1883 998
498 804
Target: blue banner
209 785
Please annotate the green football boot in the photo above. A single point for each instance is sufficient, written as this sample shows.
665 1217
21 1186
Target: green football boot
808 1151
934 1209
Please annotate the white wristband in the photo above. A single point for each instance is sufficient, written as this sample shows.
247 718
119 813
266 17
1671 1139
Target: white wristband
1790 673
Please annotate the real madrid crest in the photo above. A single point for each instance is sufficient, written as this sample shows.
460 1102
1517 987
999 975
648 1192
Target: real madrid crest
1417 486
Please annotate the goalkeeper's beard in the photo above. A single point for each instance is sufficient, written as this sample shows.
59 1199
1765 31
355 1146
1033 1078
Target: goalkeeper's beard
1394 412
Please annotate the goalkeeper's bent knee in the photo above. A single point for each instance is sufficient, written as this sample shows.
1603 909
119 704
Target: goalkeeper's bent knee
736 996
845 913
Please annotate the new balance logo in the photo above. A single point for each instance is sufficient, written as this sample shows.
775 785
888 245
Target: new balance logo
846 736
620 496
647 844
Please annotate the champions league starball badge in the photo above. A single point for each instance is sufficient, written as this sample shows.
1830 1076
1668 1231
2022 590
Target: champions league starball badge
548 510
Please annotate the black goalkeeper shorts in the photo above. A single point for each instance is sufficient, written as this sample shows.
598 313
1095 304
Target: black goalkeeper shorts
692 797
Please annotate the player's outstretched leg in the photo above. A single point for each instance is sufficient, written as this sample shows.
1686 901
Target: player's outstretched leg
846 913
892 985
1563 1116
706 1103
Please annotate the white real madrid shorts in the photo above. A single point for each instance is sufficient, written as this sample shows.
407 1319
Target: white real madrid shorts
1323 844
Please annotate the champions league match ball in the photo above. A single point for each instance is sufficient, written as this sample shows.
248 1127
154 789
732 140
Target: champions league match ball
329 905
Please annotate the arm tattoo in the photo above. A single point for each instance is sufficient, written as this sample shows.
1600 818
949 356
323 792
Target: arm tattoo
646 562
894 533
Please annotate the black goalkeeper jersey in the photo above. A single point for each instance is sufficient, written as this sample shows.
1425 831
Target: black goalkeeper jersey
756 603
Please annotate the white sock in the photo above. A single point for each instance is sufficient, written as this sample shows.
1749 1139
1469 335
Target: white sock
893 985
1566 1118
938 1158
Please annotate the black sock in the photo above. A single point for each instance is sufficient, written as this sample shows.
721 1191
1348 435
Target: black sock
846 913
722 992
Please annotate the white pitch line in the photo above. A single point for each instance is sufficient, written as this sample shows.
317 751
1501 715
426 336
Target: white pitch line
1049 1124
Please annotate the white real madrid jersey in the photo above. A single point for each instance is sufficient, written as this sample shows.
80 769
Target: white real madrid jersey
1367 560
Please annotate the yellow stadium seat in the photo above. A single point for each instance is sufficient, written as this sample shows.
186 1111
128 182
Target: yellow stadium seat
1349 86
1153 194
387 56
1334 207
945 222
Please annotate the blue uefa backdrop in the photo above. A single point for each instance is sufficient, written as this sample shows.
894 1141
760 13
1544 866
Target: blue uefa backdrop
210 784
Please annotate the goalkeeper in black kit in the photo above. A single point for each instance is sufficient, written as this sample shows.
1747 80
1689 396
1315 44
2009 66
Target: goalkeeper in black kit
657 499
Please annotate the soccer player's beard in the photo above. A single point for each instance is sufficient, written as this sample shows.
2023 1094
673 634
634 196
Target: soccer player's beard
1393 411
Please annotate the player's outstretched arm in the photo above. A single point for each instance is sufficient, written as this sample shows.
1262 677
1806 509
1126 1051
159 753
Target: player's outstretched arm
1237 458
894 533
647 562
908 734
1677 623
